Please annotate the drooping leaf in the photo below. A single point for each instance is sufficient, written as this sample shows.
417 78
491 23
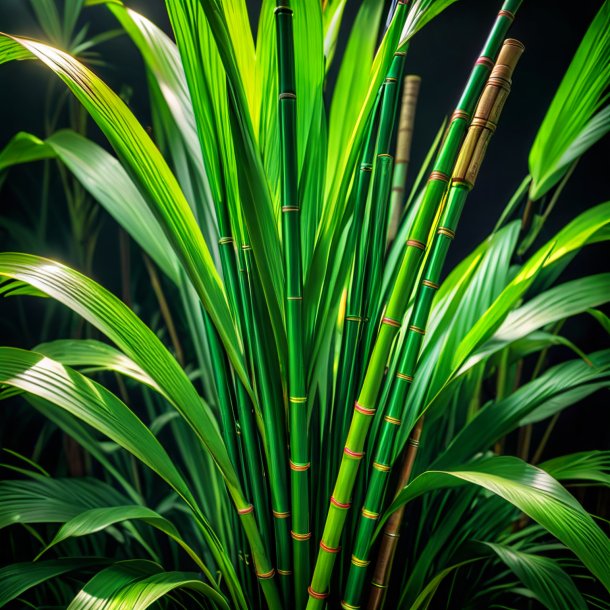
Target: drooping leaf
533 492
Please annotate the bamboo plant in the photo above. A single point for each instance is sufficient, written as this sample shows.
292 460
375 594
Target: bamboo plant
295 381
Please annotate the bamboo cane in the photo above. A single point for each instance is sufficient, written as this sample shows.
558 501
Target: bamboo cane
291 232
273 420
365 406
403 151
355 317
467 167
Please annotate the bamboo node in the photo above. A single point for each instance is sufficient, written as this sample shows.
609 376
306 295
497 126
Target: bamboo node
391 322
485 61
450 233
225 240
246 247
404 377
416 244
357 455
430 284
366 167
347 606
507 14
315 594
281 515
341 505
246 511
364 410
266 575
460 114
392 420
417 329
413 442
391 79
361 563
287 96
298 400
378 584
369 514
384 155
284 572
440 176
381 467
299 467
300 537
353 318
291 208
388 534
329 549
283 9
294 298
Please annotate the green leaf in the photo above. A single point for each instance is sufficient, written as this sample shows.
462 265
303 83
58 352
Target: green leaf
107 182
94 355
593 466
97 519
137 584
543 576
114 319
17 578
556 389
96 406
150 171
47 500
533 492
578 115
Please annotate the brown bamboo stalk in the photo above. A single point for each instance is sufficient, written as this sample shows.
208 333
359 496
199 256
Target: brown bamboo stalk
391 532
403 150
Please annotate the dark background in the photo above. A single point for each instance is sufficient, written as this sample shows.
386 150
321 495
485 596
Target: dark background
442 54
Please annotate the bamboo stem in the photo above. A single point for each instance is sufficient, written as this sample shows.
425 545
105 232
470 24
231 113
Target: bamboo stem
365 406
466 170
403 151
291 233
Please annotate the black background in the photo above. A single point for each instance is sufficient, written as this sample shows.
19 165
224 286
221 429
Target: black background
442 54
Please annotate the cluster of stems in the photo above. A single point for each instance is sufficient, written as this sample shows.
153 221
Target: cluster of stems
391 321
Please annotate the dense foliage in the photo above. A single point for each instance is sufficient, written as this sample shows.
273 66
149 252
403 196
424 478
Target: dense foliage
297 378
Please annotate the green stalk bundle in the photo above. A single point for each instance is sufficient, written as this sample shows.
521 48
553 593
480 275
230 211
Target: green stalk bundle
406 367
291 232
368 246
353 319
273 420
365 406
467 167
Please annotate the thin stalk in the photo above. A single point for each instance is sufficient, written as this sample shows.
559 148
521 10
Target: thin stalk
293 266
467 167
382 181
403 151
355 318
163 306
366 405
274 424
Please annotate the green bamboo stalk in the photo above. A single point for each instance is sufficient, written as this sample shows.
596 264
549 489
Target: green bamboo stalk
291 233
382 181
467 167
355 319
274 424
366 404
403 151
